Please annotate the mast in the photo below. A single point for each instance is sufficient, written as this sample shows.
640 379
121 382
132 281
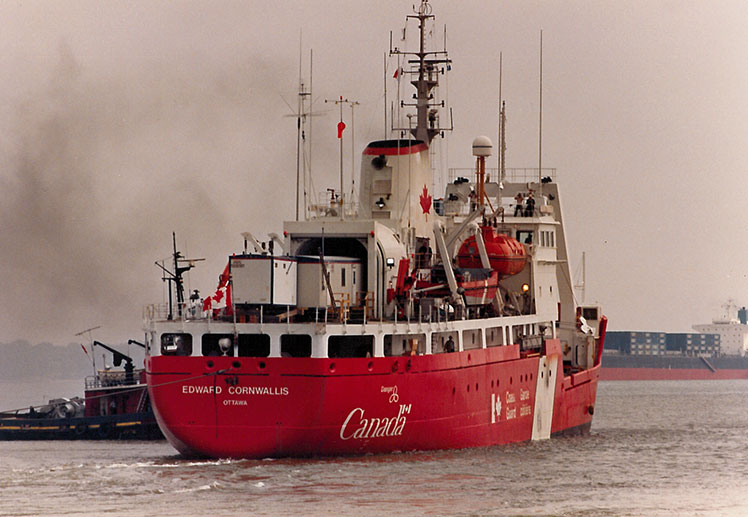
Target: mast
301 115
502 128
580 285
311 102
498 155
353 150
425 67
176 278
540 126
341 127
298 131
385 94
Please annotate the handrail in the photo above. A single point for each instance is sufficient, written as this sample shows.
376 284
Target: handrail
513 175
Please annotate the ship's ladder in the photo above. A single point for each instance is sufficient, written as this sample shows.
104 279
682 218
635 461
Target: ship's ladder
142 401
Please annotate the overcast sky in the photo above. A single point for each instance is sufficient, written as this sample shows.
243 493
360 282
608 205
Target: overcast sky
122 122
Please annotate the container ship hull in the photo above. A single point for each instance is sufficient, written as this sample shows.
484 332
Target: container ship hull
275 407
654 368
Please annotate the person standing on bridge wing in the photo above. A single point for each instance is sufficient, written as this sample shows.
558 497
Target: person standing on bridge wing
518 202
529 205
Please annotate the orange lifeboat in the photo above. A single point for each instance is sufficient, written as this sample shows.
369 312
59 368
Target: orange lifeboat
505 254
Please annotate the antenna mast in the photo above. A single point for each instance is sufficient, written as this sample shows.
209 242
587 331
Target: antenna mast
311 102
90 340
424 71
502 128
176 277
385 94
540 128
581 284
301 117
341 127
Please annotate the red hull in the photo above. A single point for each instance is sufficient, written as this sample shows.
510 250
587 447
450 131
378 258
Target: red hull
674 374
262 407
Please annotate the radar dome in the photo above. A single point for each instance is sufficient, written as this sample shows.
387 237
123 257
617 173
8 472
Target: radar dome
482 146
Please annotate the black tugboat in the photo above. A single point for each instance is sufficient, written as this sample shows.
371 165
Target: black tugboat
115 406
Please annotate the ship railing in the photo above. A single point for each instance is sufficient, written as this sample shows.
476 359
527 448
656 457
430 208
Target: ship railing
108 379
513 174
460 209
332 208
366 301
341 310
182 311
345 311
156 311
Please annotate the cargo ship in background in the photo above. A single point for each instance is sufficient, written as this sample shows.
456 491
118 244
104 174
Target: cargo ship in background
716 351
393 323
115 406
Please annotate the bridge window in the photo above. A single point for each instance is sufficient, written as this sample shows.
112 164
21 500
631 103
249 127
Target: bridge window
176 344
443 343
471 339
350 346
254 345
524 236
494 336
296 345
218 344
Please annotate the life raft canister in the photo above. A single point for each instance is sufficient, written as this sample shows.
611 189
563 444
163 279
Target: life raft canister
505 254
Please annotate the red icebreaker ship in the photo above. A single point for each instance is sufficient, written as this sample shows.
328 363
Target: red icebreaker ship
396 322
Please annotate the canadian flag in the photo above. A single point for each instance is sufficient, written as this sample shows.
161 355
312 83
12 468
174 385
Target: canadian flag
222 297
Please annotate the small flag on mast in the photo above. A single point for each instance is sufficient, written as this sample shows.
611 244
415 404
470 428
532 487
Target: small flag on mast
341 127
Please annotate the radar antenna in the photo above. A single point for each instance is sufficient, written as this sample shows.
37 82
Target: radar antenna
425 67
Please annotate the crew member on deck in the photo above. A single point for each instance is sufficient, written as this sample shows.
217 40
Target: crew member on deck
449 346
529 205
518 201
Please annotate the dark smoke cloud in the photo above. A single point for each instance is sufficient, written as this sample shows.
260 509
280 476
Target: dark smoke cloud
100 169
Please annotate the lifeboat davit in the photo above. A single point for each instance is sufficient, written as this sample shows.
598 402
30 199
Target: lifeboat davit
505 254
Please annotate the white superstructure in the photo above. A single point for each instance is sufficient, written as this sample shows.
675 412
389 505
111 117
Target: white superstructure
733 334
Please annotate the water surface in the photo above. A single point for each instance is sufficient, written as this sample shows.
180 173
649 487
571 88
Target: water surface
656 448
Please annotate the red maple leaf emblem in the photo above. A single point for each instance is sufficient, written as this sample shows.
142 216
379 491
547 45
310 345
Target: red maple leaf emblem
425 200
